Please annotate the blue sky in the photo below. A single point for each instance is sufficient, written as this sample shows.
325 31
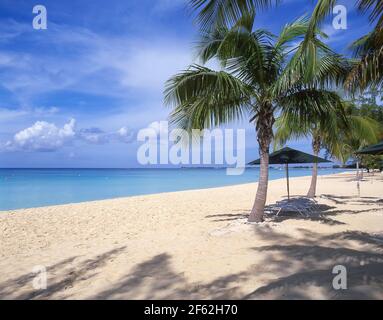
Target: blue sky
75 95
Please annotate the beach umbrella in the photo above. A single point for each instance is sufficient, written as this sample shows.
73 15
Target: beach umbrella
376 149
288 156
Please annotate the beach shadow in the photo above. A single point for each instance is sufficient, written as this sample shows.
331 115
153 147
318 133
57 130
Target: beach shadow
157 279
320 213
61 277
309 268
364 282
362 237
304 265
323 213
289 268
228 216
344 200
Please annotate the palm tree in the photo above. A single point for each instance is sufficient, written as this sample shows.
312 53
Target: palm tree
262 75
341 133
368 49
369 70
213 13
362 131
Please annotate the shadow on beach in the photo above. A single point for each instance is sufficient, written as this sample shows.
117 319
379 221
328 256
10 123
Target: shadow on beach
322 212
286 267
289 269
308 267
67 275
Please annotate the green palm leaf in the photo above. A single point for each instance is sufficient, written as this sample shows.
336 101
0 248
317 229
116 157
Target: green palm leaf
213 13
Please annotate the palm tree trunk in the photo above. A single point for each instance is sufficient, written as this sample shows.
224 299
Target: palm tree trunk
314 178
357 169
256 214
264 134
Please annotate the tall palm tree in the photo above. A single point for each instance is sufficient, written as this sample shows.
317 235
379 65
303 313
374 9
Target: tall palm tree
262 75
368 49
338 133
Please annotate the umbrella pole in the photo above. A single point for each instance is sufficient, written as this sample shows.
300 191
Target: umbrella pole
288 182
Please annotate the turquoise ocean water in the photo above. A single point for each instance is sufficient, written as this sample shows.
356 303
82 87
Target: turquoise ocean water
27 188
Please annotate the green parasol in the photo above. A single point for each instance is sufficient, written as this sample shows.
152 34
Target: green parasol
287 156
376 149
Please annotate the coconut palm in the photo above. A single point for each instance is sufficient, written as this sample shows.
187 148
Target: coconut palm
213 13
261 77
369 71
368 49
341 133
363 131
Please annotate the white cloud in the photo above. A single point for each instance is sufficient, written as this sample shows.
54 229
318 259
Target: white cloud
44 137
10 114
46 111
142 64
92 63
98 136
125 135
94 136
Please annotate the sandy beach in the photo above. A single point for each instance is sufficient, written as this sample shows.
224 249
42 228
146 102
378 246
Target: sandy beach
197 245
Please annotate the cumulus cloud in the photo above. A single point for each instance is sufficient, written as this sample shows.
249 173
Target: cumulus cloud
98 136
93 136
125 135
46 137
43 136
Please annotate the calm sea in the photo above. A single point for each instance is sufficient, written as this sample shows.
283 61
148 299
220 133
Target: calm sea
27 188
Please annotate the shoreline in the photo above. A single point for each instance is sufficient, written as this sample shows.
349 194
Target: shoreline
165 192
197 244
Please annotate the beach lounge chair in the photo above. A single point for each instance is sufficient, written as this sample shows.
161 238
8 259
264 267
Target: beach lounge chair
305 206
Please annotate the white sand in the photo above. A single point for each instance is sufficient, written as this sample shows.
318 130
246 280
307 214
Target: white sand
197 244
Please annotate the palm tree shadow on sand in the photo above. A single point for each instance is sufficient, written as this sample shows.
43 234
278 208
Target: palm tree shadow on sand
313 277
289 269
62 276
322 212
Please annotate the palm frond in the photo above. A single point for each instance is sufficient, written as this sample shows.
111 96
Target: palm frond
364 128
310 105
369 70
376 10
202 98
213 13
293 31
322 9
287 128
